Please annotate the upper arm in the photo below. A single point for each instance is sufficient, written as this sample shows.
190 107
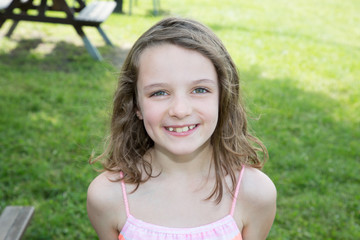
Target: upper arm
103 208
259 205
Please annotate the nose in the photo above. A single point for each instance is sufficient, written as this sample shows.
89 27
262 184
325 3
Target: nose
180 107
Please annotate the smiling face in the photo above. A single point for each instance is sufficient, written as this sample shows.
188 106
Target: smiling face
178 98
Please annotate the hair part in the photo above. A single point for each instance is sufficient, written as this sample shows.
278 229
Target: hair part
233 145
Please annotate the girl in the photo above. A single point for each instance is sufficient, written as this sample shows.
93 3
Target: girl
180 163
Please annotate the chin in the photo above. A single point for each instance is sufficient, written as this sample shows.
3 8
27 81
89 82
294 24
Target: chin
182 152
185 151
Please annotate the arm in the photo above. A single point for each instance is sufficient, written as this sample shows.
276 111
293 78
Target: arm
258 205
103 202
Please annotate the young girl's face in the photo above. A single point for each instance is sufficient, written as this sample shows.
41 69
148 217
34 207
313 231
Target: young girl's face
178 98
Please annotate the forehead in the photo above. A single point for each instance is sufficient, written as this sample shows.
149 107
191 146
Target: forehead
165 62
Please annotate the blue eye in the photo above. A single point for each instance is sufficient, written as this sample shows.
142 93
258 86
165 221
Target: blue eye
200 90
159 93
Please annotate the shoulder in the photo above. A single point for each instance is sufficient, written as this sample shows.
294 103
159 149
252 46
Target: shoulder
105 206
256 205
103 187
257 187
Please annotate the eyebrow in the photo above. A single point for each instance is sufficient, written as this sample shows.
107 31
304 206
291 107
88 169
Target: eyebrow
163 85
155 85
205 80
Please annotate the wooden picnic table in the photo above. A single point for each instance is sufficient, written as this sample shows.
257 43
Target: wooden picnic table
14 221
78 16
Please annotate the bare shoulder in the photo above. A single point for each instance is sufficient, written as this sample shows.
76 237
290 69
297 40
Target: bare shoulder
104 188
256 206
105 207
257 187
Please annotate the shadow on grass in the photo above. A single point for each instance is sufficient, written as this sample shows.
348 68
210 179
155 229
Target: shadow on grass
304 125
59 56
314 158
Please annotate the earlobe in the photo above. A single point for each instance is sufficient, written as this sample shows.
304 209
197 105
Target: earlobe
139 115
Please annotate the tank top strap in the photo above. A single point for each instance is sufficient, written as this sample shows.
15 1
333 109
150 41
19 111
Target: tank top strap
126 202
237 191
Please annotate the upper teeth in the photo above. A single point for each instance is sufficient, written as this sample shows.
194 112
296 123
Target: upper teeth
182 129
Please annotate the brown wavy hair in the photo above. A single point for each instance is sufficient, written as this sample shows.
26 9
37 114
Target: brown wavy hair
233 145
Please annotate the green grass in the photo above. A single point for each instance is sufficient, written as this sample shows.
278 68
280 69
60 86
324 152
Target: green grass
300 69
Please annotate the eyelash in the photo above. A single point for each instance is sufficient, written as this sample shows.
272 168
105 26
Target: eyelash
203 90
158 94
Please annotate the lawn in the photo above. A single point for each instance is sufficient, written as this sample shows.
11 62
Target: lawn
299 63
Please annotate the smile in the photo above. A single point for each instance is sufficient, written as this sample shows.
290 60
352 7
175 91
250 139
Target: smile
181 129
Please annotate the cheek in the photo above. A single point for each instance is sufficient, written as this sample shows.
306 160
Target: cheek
151 116
214 113
211 107
215 117
209 111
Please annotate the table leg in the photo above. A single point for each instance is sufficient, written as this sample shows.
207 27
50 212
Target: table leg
12 28
88 45
106 39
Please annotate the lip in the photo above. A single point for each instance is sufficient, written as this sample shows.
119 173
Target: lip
181 134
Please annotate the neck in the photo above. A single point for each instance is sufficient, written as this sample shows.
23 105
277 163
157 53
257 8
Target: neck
195 163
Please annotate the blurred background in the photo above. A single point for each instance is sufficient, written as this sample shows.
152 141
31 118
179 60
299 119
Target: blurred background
299 63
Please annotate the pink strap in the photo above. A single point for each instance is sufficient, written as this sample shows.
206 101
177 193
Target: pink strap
124 195
237 191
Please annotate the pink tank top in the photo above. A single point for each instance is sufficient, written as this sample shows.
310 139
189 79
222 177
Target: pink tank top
223 229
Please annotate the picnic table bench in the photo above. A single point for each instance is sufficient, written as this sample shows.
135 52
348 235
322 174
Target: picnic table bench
14 221
78 16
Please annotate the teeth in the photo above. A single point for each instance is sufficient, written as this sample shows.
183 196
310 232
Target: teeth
185 129
180 130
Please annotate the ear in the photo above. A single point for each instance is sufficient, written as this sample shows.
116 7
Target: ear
139 115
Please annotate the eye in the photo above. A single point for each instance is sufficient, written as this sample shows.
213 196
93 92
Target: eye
200 90
158 94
